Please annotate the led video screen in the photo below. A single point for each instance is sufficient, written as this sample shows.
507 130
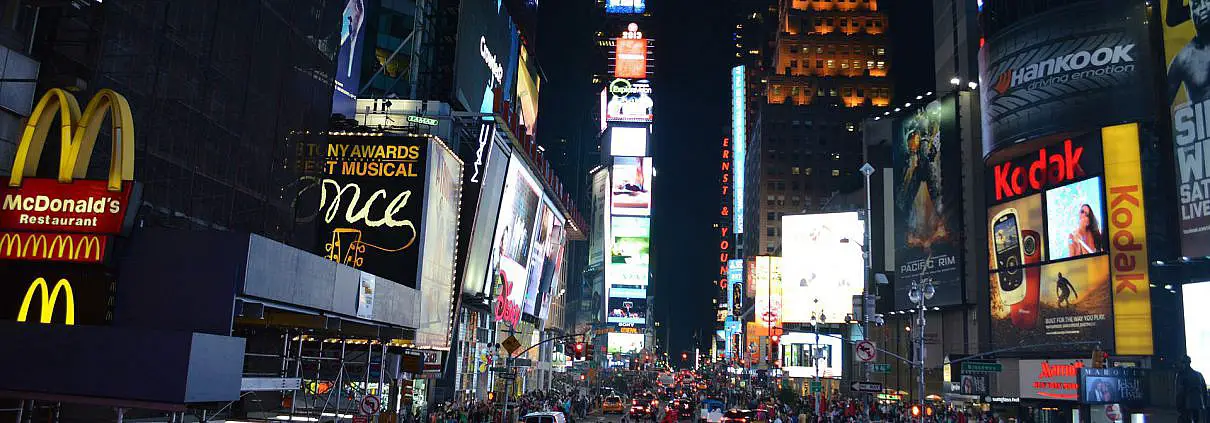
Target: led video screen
631 189
826 269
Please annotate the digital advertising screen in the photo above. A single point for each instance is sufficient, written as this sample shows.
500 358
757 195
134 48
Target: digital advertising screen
928 203
630 60
823 267
479 253
380 237
624 343
1050 274
347 81
538 256
735 278
767 282
739 144
486 54
1195 296
514 240
631 190
629 251
627 311
552 265
599 216
529 82
802 354
1186 97
628 141
1114 385
625 6
438 246
629 101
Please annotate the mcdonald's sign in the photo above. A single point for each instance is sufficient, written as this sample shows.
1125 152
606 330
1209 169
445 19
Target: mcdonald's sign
69 203
76 248
49 297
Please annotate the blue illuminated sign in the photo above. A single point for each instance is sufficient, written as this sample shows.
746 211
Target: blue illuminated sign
626 6
739 138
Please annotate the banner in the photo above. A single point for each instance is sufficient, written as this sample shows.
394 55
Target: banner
1128 241
928 203
1186 97
1059 70
371 204
440 220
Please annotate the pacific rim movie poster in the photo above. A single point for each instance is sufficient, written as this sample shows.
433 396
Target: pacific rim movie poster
1186 55
927 203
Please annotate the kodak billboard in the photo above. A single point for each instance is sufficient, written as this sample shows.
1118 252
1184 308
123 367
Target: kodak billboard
55 232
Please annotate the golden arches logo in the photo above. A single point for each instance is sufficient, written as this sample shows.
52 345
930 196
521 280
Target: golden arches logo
53 247
50 297
79 135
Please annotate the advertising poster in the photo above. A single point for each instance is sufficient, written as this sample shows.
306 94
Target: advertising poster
628 141
1197 325
513 239
474 274
807 355
56 293
1114 385
625 6
438 246
631 312
553 269
1186 96
629 101
630 60
1128 225
600 210
624 343
347 80
630 251
1051 379
739 144
537 257
1048 250
735 277
1057 71
365 296
928 189
823 266
486 55
529 82
766 278
631 191
381 237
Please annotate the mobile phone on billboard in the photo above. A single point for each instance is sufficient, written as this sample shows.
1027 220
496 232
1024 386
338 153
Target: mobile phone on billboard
1006 239
1025 313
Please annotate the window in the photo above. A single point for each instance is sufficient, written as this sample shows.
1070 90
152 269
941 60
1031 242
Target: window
832 92
881 51
848 91
794 186
835 156
770 215
795 170
769 201
794 63
844 22
781 200
869 64
769 185
835 172
860 92
819 64
819 93
831 22
844 65
795 200
831 63
794 91
770 248
818 49
806 171
771 231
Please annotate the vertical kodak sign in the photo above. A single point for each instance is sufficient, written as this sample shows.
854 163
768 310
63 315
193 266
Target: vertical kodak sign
1128 240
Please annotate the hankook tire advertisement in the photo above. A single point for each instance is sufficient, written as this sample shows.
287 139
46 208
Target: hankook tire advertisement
1059 71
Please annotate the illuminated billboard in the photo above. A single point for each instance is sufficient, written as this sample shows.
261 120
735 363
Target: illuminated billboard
631 312
739 147
383 237
630 60
486 57
529 82
629 251
631 190
735 277
1186 101
629 101
810 355
824 267
347 81
628 141
766 279
437 246
599 216
544 255
512 247
624 343
1197 325
1049 246
625 6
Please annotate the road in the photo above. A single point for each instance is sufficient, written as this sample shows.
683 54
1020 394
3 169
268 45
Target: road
597 417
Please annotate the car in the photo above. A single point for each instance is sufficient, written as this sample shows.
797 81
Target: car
684 408
736 416
613 404
545 417
711 411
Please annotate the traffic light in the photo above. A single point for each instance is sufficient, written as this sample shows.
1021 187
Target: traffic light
684 356
491 396
915 410
579 349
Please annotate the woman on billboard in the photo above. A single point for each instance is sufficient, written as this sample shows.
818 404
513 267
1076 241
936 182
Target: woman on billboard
1086 238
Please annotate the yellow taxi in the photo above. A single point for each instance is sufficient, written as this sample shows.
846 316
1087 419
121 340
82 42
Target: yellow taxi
612 404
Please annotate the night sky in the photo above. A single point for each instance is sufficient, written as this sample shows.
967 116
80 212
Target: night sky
693 55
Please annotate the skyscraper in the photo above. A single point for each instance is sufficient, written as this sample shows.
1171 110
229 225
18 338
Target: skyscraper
825 70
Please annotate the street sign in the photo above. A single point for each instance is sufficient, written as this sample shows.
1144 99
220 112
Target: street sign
872 387
816 387
369 405
507 376
511 344
423 120
361 419
522 362
865 351
499 369
880 368
981 367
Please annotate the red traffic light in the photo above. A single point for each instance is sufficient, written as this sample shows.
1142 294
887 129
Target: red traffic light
915 411
579 347
684 356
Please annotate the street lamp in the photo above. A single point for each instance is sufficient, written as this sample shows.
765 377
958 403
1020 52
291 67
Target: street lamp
817 318
921 291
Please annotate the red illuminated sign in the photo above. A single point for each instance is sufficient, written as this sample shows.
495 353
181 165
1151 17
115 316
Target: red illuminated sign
724 214
1051 379
1047 167
631 58
45 205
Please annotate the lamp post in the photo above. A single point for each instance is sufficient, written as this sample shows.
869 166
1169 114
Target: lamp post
921 291
817 318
